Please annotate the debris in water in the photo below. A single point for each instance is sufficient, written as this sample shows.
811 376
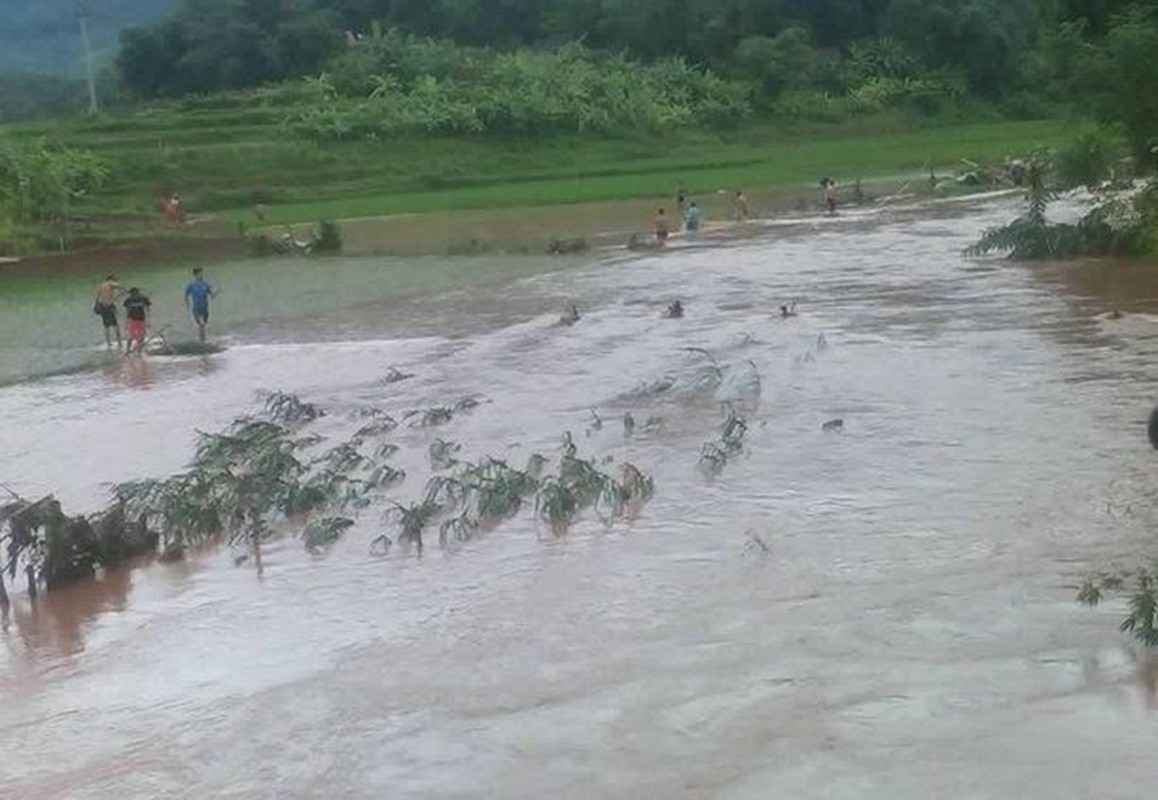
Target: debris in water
381 546
394 375
190 348
756 545
596 422
570 316
833 426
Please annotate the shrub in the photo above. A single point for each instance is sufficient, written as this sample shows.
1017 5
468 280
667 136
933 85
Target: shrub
405 85
1087 161
328 237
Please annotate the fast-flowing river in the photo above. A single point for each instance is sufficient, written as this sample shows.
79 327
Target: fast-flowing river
883 612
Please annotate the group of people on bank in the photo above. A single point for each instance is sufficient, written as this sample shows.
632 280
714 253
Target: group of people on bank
690 215
110 296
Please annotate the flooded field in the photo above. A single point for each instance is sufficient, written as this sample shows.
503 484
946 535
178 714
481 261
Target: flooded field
882 612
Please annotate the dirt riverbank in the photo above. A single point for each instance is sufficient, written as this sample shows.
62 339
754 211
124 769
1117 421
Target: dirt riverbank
458 232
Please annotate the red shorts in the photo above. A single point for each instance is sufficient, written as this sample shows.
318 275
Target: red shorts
137 329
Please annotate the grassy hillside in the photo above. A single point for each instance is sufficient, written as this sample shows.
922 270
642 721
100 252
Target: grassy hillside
229 159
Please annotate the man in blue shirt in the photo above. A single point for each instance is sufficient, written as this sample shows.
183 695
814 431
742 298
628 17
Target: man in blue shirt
197 296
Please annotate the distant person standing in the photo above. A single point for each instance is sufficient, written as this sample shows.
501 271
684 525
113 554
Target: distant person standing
105 307
661 228
741 206
829 187
197 295
173 210
682 201
137 319
692 220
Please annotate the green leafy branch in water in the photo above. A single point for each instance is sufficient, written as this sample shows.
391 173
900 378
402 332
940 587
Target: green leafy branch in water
1115 226
714 455
442 454
379 427
283 407
581 484
38 539
255 475
1140 587
321 534
431 417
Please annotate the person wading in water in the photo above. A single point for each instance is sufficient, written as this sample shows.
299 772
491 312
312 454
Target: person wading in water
661 228
105 307
197 295
137 319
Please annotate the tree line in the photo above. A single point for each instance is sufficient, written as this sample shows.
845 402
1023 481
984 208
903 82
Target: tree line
993 46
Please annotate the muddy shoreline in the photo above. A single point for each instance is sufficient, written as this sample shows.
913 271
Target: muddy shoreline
527 230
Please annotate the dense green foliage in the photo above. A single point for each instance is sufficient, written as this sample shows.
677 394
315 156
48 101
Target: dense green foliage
41 184
396 85
1117 225
990 46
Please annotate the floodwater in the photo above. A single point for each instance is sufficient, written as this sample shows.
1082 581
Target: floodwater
906 629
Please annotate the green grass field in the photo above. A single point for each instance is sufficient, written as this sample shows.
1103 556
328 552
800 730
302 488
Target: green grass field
720 166
227 160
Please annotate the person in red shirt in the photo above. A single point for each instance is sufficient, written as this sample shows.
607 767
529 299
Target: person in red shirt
137 319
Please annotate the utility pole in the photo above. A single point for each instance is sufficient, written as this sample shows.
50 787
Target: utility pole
82 18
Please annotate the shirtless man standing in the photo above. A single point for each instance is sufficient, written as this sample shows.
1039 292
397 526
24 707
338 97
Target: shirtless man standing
105 307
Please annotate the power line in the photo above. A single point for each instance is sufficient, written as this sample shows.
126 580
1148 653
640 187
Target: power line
82 16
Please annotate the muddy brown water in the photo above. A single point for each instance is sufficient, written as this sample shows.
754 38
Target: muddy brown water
908 632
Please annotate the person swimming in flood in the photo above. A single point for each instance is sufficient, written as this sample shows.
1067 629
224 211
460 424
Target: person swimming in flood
675 310
788 310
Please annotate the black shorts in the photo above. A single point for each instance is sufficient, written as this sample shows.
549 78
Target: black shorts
108 314
201 315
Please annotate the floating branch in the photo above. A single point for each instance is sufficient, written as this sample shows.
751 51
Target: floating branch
284 407
393 375
1141 588
321 534
442 452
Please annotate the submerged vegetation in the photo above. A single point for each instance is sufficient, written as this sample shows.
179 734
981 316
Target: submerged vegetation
277 473
270 474
1140 587
714 455
1123 221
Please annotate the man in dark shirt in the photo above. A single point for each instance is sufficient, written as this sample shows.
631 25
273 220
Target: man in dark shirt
137 316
